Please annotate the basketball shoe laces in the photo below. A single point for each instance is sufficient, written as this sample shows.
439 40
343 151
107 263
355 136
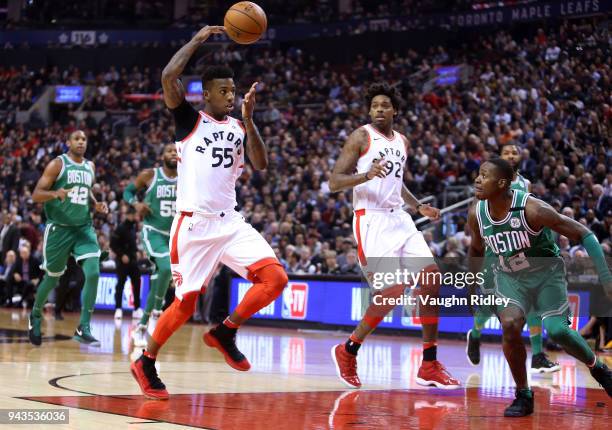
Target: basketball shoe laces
349 363
151 373
440 367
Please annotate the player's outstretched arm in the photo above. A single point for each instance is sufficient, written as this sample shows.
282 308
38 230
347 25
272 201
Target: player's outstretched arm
342 177
42 192
424 209
256 149
174 92
540 214
143 180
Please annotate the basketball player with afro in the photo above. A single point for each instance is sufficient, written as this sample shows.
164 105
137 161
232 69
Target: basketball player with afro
207 231
372 163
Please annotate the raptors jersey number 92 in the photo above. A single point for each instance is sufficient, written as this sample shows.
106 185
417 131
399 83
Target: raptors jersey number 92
381 227
387 192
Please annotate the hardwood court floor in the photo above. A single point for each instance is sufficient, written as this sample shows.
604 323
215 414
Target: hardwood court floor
292 384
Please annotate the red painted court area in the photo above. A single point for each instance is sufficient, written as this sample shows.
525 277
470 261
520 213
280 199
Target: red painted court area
389 409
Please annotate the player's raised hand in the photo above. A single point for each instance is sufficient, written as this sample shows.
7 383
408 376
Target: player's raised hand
102 207
202 35
429 211
248 104
377 170
61 194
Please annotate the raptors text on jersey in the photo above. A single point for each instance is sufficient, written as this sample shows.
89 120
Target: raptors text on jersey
210 160
381 193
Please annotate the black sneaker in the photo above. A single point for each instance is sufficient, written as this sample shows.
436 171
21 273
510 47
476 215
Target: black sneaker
224 339
34 332
603 375
541 364
145 373
82 334
522 404
472 350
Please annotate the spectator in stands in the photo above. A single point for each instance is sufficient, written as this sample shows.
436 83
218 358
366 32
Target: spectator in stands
352 266
330 266
25 277
123 244
10 234
6 276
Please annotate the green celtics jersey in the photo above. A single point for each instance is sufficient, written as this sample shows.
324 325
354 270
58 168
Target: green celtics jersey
511 240
520 183
161 198
74 210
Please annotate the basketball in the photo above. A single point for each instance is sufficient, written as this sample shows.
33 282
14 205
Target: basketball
245 22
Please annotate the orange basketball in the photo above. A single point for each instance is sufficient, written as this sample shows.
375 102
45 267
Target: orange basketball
245 22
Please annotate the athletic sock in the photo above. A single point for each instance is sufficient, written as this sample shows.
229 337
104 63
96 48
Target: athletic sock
534 322
430 351
352 345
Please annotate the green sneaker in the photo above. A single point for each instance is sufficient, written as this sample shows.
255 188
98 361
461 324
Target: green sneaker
34 330
83 335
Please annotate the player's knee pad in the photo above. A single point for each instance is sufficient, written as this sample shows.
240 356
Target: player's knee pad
188 303
164 273
557 328
91 267
274 278
163 265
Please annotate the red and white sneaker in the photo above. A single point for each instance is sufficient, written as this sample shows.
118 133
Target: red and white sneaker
346 366
145 374
434 373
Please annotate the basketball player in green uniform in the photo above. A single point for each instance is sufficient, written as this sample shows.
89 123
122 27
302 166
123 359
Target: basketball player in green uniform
157 209
65 190
539 361
530 274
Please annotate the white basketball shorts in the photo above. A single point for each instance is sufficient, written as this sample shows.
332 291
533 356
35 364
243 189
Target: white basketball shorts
199 242
387 240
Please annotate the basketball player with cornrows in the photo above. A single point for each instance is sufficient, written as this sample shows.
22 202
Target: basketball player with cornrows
206 231
372 162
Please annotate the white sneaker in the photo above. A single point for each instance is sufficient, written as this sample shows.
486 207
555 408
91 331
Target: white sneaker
140 335
137 314
118 314
155 314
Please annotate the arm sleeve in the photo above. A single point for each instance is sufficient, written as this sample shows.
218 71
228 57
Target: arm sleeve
185 118
129 194
593 248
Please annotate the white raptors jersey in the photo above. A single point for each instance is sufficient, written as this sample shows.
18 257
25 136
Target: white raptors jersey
210 160
381 193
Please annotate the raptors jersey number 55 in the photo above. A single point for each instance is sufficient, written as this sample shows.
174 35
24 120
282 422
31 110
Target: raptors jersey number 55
210 160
